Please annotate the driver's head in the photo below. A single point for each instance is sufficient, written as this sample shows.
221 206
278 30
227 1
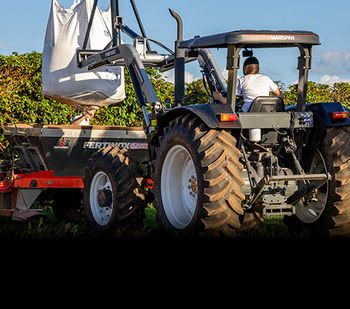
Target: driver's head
251 66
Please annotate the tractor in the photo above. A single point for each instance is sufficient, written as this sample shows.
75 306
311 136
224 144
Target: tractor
212 169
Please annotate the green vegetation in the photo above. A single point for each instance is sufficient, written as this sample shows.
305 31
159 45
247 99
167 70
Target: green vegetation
21 99
52 228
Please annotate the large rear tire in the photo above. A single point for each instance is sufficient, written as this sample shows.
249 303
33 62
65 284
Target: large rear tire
330 214
113 196
197 180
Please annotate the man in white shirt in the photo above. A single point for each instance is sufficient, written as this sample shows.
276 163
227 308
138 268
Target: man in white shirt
252 85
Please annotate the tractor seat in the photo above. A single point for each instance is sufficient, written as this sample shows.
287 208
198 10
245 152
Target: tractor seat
267 105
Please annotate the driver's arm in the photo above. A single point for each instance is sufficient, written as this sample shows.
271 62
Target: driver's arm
278 93
219 97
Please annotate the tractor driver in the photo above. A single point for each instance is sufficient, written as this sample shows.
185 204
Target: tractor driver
252 85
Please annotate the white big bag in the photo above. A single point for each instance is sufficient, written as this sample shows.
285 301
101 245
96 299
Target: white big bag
62 80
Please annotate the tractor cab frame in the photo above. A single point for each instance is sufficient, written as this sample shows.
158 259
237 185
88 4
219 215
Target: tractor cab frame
248 39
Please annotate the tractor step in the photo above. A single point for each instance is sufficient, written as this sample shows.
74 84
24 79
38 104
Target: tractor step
278 210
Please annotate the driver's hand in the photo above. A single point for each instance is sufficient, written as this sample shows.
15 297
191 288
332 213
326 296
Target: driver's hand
217 95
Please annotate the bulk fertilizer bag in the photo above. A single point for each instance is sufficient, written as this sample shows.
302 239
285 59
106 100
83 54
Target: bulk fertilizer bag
62 80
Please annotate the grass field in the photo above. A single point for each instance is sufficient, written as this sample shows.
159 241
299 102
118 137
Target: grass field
52 228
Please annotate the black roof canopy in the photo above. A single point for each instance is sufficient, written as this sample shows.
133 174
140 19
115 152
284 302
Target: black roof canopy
254 39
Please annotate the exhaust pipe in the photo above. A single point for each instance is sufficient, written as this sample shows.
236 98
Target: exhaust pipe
179 62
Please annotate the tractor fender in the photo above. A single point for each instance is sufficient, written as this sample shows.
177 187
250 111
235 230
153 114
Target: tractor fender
323 113
322 119
208 113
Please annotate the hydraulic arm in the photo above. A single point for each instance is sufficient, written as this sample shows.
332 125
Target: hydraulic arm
211 71
128 56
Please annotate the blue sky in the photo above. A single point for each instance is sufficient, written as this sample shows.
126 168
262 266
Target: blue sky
23 26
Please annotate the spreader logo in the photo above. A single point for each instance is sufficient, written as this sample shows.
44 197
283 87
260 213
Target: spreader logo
23 140
62 143
126 145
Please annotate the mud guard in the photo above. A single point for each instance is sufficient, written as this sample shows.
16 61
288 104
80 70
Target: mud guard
322 116
208 113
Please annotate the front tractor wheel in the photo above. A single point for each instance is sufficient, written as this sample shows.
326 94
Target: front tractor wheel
197 180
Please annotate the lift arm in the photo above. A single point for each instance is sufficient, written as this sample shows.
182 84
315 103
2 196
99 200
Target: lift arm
211 70
126 55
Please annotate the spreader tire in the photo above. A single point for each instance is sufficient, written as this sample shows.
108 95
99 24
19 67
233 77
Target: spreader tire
197 180
113 196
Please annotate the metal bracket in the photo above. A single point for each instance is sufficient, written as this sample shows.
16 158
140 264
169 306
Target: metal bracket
278 210
233 59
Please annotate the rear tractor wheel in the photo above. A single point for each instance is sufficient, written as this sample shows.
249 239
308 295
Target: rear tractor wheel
329 214
197 180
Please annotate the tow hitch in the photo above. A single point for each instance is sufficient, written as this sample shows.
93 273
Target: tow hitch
288 208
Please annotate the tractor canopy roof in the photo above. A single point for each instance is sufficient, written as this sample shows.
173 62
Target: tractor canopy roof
254 39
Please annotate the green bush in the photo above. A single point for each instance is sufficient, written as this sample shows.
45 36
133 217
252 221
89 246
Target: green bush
339 92
21 99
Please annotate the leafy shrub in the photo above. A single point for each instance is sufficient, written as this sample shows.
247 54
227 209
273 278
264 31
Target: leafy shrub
338 92
195 93
21 99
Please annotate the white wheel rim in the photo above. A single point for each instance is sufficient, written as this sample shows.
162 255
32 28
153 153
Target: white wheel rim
310 213
102 215
179 186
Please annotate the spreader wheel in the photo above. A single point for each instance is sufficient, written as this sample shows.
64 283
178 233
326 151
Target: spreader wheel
113 196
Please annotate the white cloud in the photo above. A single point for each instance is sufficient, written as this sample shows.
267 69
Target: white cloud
331 62
189 78
327 79
170 77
